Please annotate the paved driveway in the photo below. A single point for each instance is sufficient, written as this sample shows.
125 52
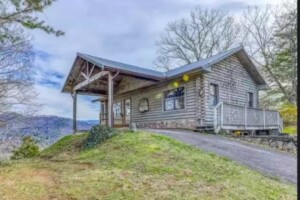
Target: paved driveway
270 162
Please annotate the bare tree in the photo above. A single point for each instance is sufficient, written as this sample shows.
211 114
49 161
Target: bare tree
16 55
16 74
262 28
205 33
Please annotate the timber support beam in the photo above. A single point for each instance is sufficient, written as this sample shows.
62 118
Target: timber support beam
90 80
110 100
74 96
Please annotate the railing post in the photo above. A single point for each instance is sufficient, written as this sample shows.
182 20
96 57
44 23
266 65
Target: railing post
222 109
215 118
264 115
278 121
245 118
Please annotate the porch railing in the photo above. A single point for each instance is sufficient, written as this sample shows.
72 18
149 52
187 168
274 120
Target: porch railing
104 119
235 117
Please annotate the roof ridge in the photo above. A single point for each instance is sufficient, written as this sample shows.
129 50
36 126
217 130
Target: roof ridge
206 61
105 59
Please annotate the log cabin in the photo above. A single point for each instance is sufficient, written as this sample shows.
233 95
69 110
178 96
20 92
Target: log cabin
219 93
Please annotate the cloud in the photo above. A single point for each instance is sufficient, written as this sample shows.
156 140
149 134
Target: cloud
235 6
124 31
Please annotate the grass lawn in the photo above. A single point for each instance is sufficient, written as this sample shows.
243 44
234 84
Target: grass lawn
292 130
134 166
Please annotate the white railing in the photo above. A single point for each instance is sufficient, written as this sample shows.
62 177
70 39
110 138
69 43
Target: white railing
234 117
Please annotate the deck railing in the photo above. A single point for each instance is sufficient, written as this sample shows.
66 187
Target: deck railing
104 119
235 117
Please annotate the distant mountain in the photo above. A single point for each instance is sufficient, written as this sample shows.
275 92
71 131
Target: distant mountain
45 129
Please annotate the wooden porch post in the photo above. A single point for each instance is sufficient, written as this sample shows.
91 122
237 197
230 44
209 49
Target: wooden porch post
74 96
110 100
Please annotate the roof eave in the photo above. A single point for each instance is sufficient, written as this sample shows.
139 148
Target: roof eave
260 77
263 87
121 70
67 78
205 69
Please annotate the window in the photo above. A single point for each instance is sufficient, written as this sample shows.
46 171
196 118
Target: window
127 107
174 99
250 99
117 109
213 95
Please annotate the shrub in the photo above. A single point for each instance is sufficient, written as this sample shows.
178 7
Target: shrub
98 134
28 149
289 114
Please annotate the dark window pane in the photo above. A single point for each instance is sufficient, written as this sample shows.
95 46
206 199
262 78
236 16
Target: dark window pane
174 99
179 103
127 107
250 99
169 104
117 109
213 94
212 89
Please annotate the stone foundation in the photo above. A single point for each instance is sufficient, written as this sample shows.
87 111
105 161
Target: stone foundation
181 123
287 143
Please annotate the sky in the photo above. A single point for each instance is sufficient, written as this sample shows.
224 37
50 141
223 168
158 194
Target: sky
123 31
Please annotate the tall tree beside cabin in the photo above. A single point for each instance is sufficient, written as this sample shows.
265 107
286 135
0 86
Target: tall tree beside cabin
267 33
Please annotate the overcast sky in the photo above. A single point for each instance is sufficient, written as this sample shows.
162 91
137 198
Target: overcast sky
124 31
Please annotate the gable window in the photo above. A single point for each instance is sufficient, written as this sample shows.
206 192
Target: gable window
174 99
213 95
250 99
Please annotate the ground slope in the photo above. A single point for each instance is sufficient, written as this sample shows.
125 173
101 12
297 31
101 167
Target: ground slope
268 161
134 166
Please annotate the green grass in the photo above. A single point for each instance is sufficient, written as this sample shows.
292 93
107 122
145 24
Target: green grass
135 166
292 130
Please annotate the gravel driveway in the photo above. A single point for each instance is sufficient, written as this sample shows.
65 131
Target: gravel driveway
270 162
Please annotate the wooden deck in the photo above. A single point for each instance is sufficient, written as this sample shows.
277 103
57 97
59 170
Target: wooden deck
234 117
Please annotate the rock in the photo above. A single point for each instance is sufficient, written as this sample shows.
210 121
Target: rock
279 145
132 127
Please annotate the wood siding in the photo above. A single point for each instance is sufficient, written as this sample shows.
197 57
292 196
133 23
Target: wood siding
155 97
234 83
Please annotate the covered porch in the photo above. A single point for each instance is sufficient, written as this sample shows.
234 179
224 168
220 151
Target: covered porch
106 79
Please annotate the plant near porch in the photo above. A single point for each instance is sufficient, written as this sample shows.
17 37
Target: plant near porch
98 134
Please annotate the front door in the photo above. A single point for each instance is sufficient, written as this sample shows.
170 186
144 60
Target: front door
127 109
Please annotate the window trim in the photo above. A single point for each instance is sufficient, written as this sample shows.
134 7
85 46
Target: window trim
176 110
218 93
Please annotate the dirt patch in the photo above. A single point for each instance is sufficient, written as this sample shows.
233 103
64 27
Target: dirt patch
42 176
83 166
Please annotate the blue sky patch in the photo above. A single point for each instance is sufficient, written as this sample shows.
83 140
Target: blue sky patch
43 55
49 83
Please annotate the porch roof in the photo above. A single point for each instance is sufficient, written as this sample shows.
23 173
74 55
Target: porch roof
74 76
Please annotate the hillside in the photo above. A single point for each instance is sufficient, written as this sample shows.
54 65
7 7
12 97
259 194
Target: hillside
45 129
134 166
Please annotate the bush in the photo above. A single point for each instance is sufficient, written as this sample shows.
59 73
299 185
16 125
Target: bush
289 114
28 149
98 134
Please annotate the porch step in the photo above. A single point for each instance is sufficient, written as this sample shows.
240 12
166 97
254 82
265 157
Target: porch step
204 129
